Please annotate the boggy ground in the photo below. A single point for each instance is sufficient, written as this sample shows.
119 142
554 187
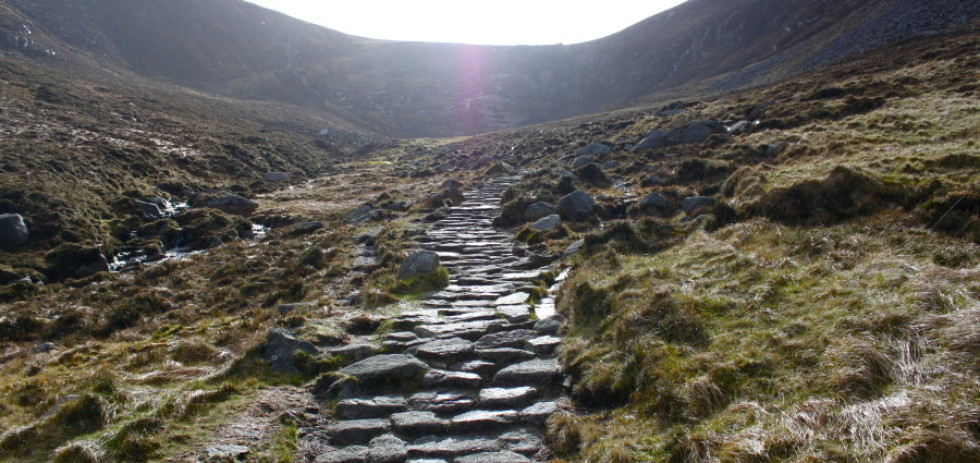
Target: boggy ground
823 308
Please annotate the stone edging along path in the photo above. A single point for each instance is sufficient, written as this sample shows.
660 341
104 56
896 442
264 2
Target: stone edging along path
469 378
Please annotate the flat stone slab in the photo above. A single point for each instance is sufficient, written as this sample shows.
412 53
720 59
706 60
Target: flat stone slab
353 454
390 366
516 298
442 402
514 397
522 441
356 431
544 345
515 313
538 413
514 338
504 355
494 457
451 379
484 368
355 352
387 449
418 423
376 407
432 331
479 421
539 372
444 350
452 447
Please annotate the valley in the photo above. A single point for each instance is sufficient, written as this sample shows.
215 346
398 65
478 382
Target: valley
768 257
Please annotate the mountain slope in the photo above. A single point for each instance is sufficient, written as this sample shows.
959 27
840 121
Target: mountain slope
416 89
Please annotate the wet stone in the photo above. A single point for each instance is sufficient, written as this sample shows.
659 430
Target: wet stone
497 397
371 408
513 299
356 431
451 379
484 368
418 424
479 421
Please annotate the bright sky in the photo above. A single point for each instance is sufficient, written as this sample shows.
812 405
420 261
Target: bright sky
497 22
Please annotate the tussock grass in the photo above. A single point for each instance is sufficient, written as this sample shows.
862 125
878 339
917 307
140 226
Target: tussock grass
762 342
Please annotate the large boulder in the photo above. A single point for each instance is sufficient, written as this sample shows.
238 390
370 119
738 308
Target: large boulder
13 230
538 210
653 140
592 174
418 264
576 206
653 202
593 149
233 204
281 348
695 132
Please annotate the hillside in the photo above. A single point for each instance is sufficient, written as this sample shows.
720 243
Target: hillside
233 48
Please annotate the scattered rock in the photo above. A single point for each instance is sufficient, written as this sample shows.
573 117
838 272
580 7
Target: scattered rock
149 211
593 149
652 181
228 452
574 248
285 309
13 230
538 210
776 149
305 228
418 264
547 223
581 161
576 206
654 139
740 127
591 173
233 204
281 347
694 132
653 202
692 204
275 177
500 168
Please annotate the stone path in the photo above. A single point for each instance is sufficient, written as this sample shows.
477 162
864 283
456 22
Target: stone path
471 377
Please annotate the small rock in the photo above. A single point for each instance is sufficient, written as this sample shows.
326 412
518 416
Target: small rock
547 223
44 348
377 407
591 173
352 454
418 264
451 379
538 413
576 206
355 352
483 421
285 309
227 452
13 230
574 248
361 211
740 127
655 139
356 431
499 397
504 456
281 347
538 210
387 449
776 149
